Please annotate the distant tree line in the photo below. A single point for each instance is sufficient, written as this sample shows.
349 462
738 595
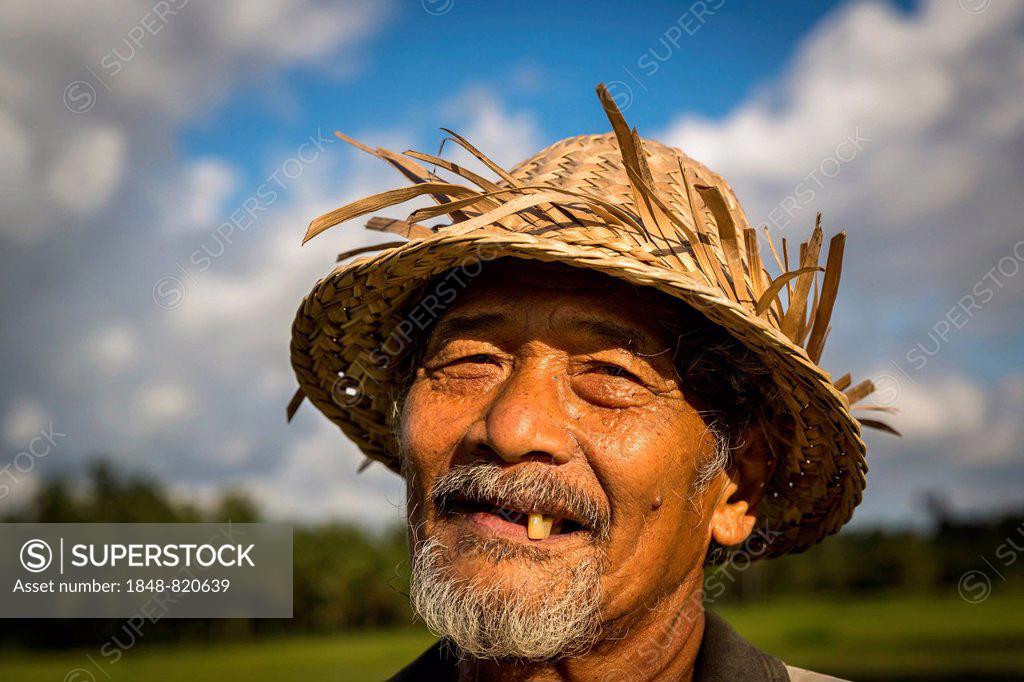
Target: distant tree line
955 555
348 578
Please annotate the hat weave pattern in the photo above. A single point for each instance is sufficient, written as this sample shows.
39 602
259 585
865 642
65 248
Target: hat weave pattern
631 208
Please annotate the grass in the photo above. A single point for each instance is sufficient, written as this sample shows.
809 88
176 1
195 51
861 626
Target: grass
348 656
900 637
905 638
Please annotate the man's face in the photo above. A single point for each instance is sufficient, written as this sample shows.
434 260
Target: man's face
553 391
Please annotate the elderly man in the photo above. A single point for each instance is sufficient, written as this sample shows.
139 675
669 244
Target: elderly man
593 389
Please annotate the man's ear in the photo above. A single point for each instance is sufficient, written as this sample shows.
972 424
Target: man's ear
744 483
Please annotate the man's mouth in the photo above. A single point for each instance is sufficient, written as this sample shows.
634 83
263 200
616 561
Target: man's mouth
515 519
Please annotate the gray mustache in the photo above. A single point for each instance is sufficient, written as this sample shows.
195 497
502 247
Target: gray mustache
530 487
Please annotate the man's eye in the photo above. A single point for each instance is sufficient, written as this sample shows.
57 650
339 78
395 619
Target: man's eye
614 371
478 359
473 366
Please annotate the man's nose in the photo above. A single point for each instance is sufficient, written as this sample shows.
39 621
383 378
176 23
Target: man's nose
526 420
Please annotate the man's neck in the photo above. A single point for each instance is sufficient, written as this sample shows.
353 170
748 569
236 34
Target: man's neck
661 643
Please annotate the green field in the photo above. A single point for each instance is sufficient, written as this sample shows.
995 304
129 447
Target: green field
898 638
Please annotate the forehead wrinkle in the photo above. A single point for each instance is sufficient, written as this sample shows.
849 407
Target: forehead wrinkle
615 329
585 326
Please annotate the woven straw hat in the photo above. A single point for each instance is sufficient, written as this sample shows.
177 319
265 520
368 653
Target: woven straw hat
624 206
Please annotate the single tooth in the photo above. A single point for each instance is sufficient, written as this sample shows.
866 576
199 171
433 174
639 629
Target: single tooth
539 526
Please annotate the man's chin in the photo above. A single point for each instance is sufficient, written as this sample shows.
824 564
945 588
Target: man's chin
496 598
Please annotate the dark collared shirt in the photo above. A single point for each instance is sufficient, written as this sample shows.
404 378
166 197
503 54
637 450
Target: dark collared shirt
724 656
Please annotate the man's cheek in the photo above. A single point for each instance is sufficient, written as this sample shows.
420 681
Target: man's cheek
434 424
424 439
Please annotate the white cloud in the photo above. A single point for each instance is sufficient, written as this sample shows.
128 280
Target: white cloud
107 72
195 201
506 137
235 450
88 170
314 29
163 403
114 348
935 93
946 407
205 496
24 420
317 479
20 489
961 422
1001 438
528 77
15 160
871 67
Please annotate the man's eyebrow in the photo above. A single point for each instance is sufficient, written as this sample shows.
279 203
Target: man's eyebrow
459 325
617 334
612 333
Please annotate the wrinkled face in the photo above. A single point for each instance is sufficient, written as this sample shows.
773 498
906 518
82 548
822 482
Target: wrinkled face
550 454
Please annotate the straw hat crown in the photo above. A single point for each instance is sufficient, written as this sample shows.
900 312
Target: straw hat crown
630 208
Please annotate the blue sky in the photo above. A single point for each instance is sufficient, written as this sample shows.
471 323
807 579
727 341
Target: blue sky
123 159
570 47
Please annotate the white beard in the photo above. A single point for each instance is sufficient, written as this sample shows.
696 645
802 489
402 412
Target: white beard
557 616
